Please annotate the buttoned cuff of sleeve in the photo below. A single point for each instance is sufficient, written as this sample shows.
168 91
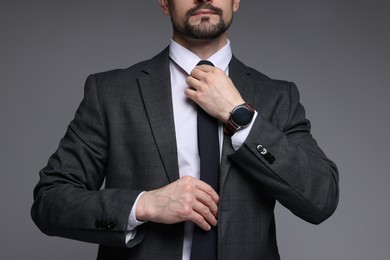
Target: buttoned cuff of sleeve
132 222
240 136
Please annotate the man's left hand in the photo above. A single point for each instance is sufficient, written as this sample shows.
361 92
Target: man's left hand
213 91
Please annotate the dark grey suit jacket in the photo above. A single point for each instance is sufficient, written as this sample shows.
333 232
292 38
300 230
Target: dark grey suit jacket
123 134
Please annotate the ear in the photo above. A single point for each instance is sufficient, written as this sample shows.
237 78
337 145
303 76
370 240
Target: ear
164 6
236 4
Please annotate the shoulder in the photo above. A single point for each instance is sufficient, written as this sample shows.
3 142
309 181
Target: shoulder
131 74
260 80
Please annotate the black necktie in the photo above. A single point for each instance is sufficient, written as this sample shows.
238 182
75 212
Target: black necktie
204 243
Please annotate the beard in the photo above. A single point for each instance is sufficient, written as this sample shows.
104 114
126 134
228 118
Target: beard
205 30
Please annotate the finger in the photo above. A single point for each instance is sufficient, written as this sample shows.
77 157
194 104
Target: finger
206 201
206 214
200 221
201 185
203 217
205 68
190 93
202 191
195 91
193 82
211 206
201 72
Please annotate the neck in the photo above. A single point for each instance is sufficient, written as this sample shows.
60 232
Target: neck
204 49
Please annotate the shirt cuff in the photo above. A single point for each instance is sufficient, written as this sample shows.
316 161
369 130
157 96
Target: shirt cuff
132 222
240 136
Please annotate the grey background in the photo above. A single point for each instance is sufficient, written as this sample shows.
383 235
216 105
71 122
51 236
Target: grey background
337 52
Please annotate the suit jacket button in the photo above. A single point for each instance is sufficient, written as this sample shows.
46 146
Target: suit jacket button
98 224
266 155
110 225
261 149
270 158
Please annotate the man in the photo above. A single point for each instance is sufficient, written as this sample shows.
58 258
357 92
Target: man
136 129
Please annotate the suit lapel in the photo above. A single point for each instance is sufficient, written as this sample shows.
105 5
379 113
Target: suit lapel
155 90
240 75
155 87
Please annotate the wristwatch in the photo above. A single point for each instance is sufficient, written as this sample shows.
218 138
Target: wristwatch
240 117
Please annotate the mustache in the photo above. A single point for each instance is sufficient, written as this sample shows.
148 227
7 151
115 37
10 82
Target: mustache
206 6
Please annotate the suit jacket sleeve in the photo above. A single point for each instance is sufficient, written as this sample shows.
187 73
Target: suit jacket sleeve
293 170
68 201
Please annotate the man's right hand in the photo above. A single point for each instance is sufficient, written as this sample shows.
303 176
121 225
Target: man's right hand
187 199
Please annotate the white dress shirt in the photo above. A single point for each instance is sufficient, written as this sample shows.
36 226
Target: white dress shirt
182 63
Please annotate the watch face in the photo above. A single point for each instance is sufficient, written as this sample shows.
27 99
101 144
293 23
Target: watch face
242 116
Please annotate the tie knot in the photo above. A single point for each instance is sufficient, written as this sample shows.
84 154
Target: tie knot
205 62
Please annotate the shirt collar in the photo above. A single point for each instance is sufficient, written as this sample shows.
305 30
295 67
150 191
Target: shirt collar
187 60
